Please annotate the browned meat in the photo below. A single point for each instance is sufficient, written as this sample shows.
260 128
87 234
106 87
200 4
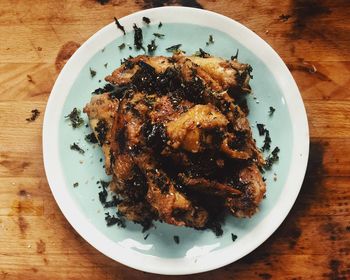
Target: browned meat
178 140
101 112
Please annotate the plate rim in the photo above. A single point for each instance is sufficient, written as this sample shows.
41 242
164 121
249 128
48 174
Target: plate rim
179 266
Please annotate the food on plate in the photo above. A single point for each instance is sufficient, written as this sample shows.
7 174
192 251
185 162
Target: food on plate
177 141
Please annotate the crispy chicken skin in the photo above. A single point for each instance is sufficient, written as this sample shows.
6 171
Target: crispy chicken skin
177 139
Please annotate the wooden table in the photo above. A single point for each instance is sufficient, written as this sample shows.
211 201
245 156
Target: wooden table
36 37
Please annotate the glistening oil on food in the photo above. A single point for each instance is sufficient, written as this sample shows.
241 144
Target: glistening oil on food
189 132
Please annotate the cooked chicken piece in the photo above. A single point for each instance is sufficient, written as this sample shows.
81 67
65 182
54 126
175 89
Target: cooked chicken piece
185 131
178 142
101 112
253 187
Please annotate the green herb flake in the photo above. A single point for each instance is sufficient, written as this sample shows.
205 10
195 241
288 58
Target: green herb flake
176 239
174 48
75 147
159 35
75 118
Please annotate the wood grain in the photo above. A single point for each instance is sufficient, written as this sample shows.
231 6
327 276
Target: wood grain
36 242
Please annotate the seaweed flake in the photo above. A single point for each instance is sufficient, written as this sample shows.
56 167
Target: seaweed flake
271 111
75 147
138 37
234 237
91 138
267 141
121 27
121 46
92 73
174 48
159 35
75 118
146 20
272 158
176 239
202 53
160 24
235 56
76 184
210 40
112 220
152 47
261 128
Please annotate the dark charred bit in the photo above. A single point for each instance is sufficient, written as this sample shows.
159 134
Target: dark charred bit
162 182
265 276
101 130
284 17
75 147
152 47
138 37
92 72
176 239
202 53
91 138
34 116
146 20
112 220
121 27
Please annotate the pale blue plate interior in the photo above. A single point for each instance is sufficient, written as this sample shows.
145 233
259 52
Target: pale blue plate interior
87 169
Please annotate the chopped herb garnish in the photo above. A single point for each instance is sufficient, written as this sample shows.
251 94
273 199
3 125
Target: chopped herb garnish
152 47
138 37
75 118
210 41
234 237
176 239
34 116
75 147
105 65
146 20
122 46
75 184
146 236
235 56
271 111
159 35
160 24
121 27
92 73
112 220
261 128
267 141
202 53
284 17
272 158
174 48
91 138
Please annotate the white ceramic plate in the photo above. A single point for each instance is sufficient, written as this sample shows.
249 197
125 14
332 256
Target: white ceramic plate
198 251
